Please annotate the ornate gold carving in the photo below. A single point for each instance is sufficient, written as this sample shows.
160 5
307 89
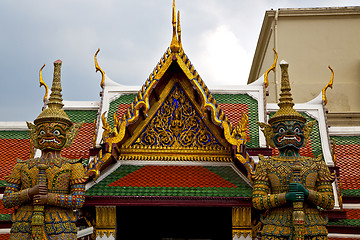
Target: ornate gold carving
268 133
241 222
272 68
105 221
42 83
97 67
177 124
329 85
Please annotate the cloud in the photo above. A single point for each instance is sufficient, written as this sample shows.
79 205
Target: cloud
224 61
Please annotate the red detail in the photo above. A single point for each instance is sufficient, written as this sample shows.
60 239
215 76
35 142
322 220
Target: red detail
232 112
172 176
5 236
4 210
82 143
121 110
352 213
348 159
10 150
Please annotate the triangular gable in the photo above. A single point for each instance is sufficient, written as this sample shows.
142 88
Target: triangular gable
124 141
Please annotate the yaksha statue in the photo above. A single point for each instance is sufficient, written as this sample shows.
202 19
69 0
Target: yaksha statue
291 187
47 189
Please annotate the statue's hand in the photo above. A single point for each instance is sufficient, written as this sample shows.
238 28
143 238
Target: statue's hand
294 197
298 187
37 189
40 199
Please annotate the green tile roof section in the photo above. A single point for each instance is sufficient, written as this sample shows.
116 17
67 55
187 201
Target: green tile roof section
13 134
5 217
172 180
250 105
88 116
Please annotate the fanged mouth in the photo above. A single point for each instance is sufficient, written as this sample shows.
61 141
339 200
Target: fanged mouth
291 137
50 140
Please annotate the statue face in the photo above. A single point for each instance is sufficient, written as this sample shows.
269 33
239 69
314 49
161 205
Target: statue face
51 136
288 134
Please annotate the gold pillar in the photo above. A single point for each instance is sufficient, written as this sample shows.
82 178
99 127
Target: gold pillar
105 221
241 221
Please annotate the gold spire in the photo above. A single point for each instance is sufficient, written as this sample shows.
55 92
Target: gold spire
286 111
54 112
179 29
174 45
329 85
42 83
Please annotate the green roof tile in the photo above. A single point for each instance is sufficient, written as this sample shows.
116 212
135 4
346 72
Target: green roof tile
14 135
87 116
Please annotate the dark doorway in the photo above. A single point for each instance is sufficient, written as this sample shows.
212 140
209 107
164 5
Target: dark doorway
173 223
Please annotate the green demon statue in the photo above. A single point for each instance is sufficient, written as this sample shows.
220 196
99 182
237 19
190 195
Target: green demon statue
47 189
290 187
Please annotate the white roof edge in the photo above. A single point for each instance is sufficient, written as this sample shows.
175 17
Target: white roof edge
344 131
81 105
110 85
343 235
13 126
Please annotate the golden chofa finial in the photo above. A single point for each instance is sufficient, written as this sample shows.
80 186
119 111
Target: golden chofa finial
42 83
174 45
329 85
179 29
97 67
272 68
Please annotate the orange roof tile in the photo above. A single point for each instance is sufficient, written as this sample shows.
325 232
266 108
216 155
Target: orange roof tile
173 176
5 236
347 158
10 150
82 143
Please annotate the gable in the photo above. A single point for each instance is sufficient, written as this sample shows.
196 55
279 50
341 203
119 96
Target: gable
177 124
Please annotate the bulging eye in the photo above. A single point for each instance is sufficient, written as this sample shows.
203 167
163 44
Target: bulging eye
56 132
297 130
281 130
42 132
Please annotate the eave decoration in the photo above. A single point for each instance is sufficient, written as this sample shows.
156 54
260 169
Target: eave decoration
119 142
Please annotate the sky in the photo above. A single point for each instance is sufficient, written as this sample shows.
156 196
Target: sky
219 37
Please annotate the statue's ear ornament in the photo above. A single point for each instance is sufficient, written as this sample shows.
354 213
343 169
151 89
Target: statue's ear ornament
32 133
307 130
268 133
72 132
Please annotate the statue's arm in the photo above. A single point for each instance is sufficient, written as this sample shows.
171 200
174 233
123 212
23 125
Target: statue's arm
13 195
262 197
76 197
323 196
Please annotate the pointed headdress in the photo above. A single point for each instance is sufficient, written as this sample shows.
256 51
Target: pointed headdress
54 111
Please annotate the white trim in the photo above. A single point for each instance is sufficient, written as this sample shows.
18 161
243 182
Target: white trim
1 196
85 232
13 126
343 235
5 230
81 105
344 131
351 206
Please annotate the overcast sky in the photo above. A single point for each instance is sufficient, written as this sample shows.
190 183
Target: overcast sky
219 37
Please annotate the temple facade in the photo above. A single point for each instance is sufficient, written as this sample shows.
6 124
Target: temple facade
173 159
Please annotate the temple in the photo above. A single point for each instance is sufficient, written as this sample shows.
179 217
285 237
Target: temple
173 159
